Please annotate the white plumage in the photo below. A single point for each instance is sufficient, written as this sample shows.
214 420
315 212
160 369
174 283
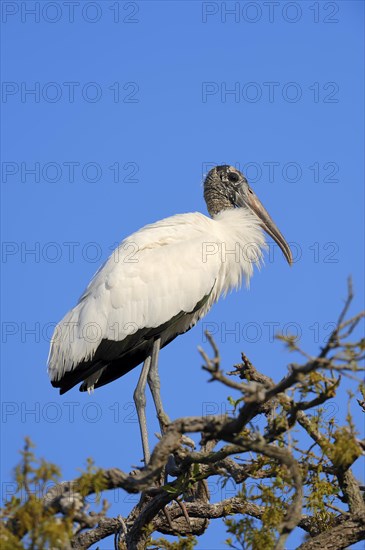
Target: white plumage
155 274
156 285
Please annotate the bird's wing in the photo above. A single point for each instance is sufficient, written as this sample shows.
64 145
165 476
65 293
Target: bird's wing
152 277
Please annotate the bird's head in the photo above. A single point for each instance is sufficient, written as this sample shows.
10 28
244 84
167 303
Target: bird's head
226 187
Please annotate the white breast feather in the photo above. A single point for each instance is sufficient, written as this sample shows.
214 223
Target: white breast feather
154 274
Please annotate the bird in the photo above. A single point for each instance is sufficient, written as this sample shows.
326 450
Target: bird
156 285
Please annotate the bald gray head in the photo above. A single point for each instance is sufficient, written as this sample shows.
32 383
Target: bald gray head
225 187
222 187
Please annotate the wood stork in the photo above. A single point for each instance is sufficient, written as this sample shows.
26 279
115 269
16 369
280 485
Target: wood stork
156 285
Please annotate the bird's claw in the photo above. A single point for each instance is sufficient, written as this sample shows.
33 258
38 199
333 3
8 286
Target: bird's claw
185 440
184 511
168 517
121 533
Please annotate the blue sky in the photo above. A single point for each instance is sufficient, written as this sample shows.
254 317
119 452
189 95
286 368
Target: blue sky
132 103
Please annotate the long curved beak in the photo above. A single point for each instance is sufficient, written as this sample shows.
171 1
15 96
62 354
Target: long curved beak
251 201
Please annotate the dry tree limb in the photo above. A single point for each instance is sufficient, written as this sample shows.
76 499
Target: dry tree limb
232 448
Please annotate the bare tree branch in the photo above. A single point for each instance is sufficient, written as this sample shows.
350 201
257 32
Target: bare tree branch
232 448
348 532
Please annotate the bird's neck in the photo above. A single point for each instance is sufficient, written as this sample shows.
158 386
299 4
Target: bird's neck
216 201
242 243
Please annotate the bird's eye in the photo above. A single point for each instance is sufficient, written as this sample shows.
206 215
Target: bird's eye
233 177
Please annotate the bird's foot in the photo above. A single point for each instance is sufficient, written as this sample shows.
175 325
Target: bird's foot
120 534
172 467
185 440
168 517
184 511
137 469
163 420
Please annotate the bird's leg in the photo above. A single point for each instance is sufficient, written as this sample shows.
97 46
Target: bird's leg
153 379
139 397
